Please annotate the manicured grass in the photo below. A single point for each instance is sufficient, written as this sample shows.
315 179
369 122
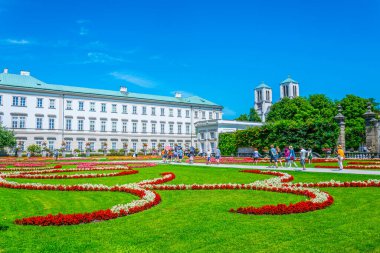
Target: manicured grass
194 220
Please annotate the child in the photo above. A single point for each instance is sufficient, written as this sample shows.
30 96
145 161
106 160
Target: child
256 156
310 155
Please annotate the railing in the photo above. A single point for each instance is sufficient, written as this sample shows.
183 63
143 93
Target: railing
362 155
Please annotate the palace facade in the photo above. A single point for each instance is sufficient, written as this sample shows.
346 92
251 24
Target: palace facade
39 113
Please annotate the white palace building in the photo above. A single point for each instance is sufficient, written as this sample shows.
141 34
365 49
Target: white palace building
39 112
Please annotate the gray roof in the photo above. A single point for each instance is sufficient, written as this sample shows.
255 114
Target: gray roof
26 81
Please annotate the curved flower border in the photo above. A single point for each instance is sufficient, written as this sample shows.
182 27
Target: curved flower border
145 190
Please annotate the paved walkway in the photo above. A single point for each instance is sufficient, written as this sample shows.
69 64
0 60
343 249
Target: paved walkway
245 166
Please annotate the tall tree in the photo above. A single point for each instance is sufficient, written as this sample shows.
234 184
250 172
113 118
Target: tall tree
252 116
298 109
7 138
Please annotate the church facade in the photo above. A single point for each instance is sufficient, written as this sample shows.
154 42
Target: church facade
289 88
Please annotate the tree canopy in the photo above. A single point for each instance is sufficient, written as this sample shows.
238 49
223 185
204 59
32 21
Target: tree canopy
252 116
7 138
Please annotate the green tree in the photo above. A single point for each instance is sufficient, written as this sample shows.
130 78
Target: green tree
252 116
7 138
227 143
298 109
242 117
326 108
34 149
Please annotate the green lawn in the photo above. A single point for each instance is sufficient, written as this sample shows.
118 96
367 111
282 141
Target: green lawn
196 221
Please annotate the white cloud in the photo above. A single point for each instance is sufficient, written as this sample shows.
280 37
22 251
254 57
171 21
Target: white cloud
16 41
98 57
133 79
83 30
228 112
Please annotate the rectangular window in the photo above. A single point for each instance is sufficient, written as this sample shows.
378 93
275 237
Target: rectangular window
144 110
179 126
114 106
92 146
134 127
162 111
134 146
187 113
15 101
68 145
187 129
102 126
210 115
51 123
1 99
69 105
144 127
103 107
39 143
51 103
202 136
154 145
80 145
171 112
22 122
80 106
125 109
23 101
92 106
153 111
196 114
171 128
113 145
212 135
179 113
203 115
39 123
217 115
51 145
68 124
153 128
114 126
124 126
92 125
14 122
80 124
39 102
134 109
162 128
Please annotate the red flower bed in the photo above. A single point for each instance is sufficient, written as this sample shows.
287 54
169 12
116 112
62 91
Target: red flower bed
357 167
29 164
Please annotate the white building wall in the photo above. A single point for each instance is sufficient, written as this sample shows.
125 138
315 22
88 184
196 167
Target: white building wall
29 134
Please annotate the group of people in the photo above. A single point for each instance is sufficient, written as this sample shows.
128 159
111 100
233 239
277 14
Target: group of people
172 155
276 156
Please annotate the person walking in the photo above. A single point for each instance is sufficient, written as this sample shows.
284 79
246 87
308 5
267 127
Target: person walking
164 155
292 157
256 156
279 156
303 154
286 155
341 156
310 155
56 154
180 155
192 153
208 158
217 155
273 156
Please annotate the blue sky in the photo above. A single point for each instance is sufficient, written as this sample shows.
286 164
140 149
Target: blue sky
219 50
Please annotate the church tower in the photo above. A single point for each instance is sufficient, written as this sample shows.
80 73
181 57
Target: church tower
263 100
289 88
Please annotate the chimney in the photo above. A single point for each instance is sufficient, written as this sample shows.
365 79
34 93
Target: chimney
178 95
5 71
123 90
24 73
